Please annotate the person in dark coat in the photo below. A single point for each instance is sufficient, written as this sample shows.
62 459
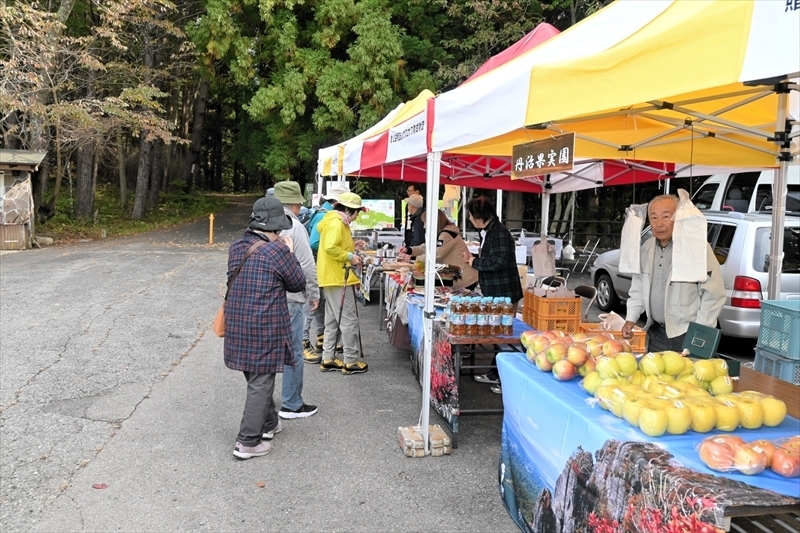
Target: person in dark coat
416 234
496 264
258 335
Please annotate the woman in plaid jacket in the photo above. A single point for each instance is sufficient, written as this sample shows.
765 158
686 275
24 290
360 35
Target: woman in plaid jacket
258 335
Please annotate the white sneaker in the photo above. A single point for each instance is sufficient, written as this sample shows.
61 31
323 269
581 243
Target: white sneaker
269 435
487 378
246 452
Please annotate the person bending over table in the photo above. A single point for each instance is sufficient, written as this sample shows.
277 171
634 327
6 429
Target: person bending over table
670 305
450 248
496 265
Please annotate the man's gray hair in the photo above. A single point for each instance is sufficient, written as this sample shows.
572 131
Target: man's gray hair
663 197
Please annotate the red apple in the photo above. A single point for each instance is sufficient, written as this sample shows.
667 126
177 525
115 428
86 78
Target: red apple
611 348
786 462
542 363
749 459
767 446
588 366
577 355
563 370
556 352
716 454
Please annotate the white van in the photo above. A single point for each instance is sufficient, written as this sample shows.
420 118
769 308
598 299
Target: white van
747 191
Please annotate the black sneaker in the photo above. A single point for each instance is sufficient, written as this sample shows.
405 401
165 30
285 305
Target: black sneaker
302 412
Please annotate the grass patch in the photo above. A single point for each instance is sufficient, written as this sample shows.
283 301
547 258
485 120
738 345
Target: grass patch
174 208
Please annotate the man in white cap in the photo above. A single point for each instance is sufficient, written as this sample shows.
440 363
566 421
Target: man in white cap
293 406
313 354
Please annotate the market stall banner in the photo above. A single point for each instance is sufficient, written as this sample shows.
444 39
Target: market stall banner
379 214
566 463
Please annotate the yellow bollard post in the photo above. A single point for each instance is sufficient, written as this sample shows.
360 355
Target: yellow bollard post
211 228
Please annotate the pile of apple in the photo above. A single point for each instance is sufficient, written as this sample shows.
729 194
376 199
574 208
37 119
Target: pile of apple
567 356
729 453
668 393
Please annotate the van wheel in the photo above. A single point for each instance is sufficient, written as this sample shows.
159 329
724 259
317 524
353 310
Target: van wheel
607 298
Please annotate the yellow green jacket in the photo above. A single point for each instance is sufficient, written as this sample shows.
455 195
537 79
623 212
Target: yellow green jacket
335 243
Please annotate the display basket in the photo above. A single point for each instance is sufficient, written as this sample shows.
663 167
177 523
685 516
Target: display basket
780 328
638 341
552 307
776 366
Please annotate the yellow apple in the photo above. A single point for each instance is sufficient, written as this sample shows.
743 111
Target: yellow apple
688 378
607 367
671 391
674 363
652 364
704 370
721 385
637 377
616 401
603 395
722 366
627 363
751 414
630 409
590 382
680 419
774 411
653 421
704 417
727 415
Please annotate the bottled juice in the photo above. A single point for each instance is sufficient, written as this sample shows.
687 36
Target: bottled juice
507 312
456 316
496 317
483 318
471 317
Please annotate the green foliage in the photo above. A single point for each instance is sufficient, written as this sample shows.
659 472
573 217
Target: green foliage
174 208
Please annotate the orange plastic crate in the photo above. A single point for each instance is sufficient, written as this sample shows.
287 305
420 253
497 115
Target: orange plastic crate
554 307
552 323
638 343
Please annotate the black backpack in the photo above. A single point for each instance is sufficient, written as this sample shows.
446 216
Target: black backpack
307 218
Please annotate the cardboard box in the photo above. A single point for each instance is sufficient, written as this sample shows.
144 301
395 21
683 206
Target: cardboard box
413 445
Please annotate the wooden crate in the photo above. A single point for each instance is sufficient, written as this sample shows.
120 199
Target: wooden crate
552 323
553 307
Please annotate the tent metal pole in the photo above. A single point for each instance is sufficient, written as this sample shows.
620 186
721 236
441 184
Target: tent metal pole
464 212
432 193
545 212
500 205
572 219
778 204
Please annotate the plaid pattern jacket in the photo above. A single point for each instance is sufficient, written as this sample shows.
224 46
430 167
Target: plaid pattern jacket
258 333
497 263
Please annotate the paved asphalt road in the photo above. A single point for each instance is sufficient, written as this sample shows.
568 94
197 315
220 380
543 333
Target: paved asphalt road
110 375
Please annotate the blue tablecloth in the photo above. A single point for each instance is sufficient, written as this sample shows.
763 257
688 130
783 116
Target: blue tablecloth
554 419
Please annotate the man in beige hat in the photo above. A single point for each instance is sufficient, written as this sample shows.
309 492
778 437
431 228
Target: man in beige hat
293 406
335 260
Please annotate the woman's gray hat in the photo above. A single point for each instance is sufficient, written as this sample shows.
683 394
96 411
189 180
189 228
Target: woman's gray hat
268 215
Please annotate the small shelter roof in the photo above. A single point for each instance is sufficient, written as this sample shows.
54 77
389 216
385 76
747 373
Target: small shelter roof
21 159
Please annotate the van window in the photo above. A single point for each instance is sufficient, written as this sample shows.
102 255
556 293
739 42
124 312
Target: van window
723 241
740 190
704 197
791 243
792 198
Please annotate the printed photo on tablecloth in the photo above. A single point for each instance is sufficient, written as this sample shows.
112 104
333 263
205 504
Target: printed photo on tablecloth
567 466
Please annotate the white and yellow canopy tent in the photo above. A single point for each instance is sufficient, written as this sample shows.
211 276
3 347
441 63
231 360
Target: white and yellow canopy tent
649 81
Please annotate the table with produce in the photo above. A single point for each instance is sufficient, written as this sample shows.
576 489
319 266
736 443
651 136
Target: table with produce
599 438
467 324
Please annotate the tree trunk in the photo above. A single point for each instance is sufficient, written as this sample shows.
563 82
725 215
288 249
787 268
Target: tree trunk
142 177
84 201
515 209
217 162
122 157
156 171
556 216
564 229
193 155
